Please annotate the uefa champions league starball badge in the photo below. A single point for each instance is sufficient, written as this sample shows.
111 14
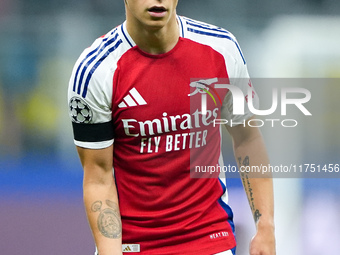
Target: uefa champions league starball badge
80 111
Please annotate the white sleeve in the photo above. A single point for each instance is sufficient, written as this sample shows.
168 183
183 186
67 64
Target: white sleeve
89 100
238 77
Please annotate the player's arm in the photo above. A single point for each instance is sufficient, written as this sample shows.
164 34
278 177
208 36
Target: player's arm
101 200
249 150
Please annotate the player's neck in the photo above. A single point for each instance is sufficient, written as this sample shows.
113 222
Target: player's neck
154 40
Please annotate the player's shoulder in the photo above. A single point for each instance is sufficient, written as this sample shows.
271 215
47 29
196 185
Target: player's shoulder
99 61
108 45
203 28
214 36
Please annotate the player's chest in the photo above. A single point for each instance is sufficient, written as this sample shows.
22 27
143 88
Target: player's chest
162 93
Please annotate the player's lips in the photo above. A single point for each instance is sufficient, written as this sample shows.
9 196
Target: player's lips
157 11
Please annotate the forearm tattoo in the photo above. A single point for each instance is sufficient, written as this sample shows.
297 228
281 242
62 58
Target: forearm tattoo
248 188
109 222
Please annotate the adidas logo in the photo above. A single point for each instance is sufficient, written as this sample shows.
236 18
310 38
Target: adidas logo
132 99
130 247
127 248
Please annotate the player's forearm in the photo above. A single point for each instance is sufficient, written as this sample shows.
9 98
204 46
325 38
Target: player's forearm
259 190
258 187
101 204
250 152
260 196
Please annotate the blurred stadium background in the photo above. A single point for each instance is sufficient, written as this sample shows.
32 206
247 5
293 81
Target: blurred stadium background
41 207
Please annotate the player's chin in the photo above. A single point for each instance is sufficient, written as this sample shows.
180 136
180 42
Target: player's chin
157 21
156 24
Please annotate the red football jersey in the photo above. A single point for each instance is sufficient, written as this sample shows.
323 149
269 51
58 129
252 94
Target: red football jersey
150 108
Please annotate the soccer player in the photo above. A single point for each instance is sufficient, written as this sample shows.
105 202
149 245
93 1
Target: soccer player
144 99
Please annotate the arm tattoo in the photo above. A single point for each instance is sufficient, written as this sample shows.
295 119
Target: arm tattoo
109 222
248 188
257 215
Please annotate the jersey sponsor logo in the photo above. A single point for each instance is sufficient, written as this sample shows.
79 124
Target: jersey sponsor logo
80 111
131 247
168 123
185 140
132 99
171 142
